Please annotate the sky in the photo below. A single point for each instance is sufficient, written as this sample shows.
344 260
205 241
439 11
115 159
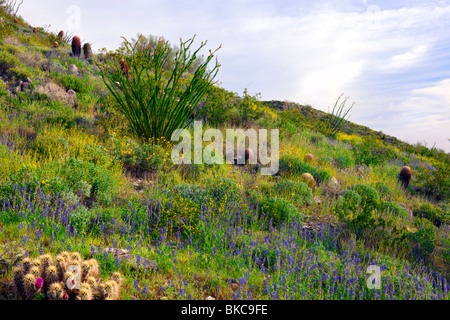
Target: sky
392 58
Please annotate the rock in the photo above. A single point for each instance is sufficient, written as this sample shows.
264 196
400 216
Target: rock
332 187
234 286
73 69
120 252
71 98
410 213
362 169
125 256
26 85
317 200
210 298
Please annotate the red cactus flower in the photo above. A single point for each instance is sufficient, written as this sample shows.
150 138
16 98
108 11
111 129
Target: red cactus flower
66 296
39 283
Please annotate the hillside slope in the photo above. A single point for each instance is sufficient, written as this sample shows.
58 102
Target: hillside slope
78 187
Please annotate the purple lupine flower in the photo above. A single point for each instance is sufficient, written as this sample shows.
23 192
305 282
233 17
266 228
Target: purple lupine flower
144 291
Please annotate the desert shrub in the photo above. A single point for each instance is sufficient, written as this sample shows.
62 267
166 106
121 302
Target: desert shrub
223 188
373 151
3 88
139 156
67 175
81 218
170 178
432 213
218 103
249 108
370 198
348 203
343 162
295 166
393 208
191 192
297 192
7 61
19 73
382 189
69 81
423 241
279 210
436 183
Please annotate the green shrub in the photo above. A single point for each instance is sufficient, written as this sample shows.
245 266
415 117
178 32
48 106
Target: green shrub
343 162
393 207
7 61
279 210
223 188
432 213
383 189
297 192
423 242
348 203
19 73
81 219
218 103
370 198
436 183
150 157
70 82
67 175
144 157
191 192
373 151
295 166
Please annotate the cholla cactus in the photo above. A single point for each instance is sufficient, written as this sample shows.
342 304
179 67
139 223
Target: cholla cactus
64 277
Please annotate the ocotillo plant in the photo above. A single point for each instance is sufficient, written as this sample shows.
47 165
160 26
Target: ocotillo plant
336 120
156 102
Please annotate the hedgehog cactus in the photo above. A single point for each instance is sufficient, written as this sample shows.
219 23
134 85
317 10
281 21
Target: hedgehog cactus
18 284
76 46
29 281
65 277
87 50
